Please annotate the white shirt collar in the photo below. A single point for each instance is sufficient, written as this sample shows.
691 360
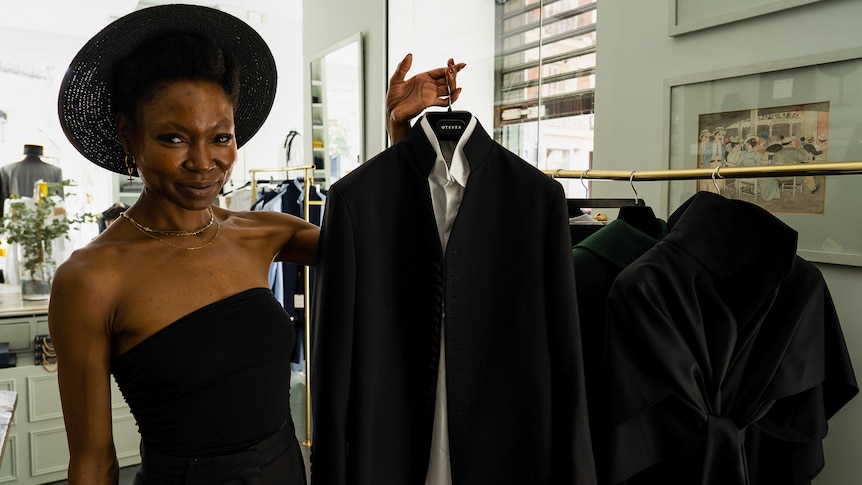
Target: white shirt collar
459 170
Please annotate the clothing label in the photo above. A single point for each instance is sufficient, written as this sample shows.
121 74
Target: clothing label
450 127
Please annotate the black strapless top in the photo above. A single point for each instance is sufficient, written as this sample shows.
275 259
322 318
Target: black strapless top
214 382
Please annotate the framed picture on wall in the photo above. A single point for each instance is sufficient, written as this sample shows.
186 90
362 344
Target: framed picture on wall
690 15
803 110
779 135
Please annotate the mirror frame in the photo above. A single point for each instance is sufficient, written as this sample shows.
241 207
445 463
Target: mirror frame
318 87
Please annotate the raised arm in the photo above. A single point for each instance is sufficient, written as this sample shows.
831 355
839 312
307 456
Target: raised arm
78 323
406 99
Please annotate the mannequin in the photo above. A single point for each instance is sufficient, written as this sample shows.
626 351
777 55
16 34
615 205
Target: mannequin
18 177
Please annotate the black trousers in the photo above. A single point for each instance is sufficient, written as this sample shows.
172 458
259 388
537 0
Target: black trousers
276 460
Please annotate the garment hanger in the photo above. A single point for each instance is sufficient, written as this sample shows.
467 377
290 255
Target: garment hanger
581 230
288 141
575 205
715 182
448 125
639 215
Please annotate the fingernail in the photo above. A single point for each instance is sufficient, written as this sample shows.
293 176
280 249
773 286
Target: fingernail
451 71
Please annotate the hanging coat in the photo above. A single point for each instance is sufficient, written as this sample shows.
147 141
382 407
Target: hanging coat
725 357
516 404
598 260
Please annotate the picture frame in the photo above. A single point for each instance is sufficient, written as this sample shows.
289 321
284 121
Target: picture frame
686 16
831 82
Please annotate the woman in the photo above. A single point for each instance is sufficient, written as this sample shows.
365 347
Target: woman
174 298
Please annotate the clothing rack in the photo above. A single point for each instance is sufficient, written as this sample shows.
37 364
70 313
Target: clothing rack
308 181
826 168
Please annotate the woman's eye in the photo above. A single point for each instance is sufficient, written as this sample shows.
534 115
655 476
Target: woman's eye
223 138
171 138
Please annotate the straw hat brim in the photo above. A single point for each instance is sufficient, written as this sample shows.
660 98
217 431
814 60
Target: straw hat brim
84 104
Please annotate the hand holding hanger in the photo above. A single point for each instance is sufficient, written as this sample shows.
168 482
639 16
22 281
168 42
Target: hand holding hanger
406 99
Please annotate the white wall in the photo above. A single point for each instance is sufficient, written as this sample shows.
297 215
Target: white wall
432 36
636 56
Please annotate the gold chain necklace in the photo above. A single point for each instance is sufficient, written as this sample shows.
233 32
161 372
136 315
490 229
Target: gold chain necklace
145 233
150 230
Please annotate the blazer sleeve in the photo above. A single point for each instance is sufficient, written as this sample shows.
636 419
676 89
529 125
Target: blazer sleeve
332 344
571 442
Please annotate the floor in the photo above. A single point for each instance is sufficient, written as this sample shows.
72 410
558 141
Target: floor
297 410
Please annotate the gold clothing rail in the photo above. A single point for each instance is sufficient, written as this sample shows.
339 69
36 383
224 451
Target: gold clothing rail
308 169
308 181
826 168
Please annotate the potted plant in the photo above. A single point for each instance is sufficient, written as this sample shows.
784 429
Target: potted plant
33 224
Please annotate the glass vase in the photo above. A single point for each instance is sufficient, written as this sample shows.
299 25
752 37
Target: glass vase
36 278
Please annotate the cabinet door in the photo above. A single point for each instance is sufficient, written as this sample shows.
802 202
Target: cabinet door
16 331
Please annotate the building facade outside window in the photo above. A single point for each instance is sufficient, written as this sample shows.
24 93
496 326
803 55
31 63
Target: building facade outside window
545 67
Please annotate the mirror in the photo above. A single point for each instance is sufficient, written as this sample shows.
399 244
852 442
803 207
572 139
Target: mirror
336 110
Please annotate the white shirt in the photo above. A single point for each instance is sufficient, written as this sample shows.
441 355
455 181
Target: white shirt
447 182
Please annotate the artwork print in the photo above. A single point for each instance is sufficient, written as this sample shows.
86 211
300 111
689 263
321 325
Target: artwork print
783 135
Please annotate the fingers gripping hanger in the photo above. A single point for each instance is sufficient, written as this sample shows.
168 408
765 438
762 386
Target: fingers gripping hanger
448 96
449 125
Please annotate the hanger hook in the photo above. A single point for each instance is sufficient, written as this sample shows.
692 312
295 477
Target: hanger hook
586 189
632 182
714 181
449 97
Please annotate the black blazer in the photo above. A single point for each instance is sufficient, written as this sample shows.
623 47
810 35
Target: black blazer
516 403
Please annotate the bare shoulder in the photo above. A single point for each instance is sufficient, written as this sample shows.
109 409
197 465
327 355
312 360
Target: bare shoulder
95 269
287 237
277 227
261 219
85 295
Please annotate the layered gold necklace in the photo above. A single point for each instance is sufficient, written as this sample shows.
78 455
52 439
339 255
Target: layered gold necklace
153 233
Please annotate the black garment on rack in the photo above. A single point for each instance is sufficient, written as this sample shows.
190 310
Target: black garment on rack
598 260
516 404
265 194
294 274
725 356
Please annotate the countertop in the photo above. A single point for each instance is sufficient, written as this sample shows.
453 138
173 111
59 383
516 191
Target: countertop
12 303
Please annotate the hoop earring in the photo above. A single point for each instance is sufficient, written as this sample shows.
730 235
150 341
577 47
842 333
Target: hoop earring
129 160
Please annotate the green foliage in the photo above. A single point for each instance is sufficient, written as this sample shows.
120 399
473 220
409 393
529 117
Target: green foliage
35 229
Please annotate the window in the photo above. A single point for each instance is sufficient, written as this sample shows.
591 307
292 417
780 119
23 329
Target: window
545 82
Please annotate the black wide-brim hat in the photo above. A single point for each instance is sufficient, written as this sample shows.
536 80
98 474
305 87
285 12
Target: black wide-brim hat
86 112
